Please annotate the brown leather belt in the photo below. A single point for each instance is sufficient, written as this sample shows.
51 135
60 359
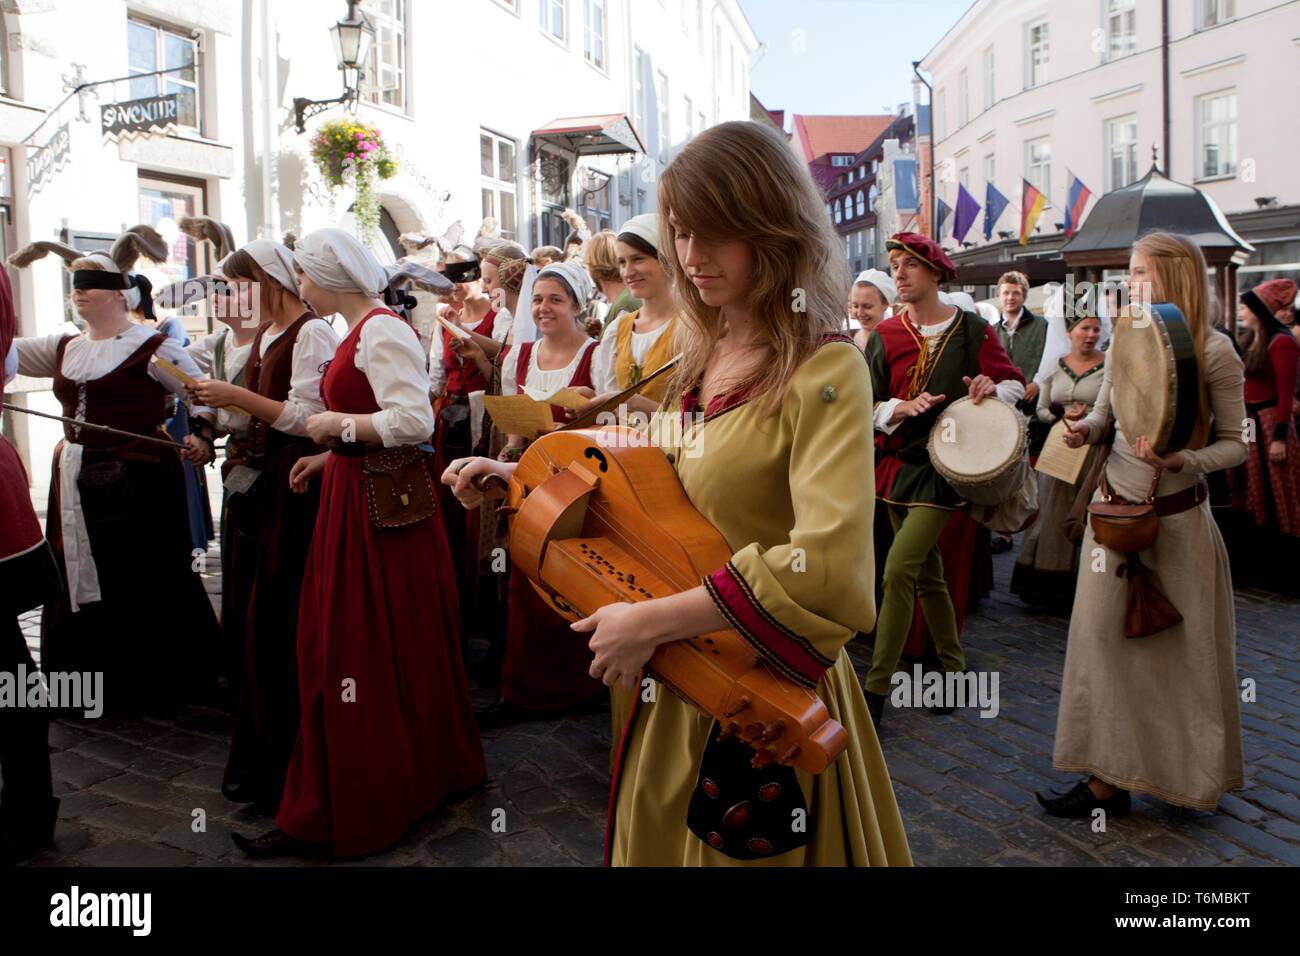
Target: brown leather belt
1181 501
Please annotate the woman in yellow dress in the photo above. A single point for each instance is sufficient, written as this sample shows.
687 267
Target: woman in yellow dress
775 449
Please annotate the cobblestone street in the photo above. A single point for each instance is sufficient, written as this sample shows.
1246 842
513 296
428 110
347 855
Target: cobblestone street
130 788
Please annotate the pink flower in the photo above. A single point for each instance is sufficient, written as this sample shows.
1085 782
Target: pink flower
352 155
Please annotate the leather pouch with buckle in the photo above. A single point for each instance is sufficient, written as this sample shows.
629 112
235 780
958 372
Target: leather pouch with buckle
399 490
1122 526
105 492
1131 529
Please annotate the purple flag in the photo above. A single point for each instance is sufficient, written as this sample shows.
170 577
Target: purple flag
968 208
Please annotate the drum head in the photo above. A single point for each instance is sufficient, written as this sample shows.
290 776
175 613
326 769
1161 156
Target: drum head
972 443
1153 376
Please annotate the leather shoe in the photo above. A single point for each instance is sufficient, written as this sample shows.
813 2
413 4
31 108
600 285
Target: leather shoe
277 843
1081 801
875 707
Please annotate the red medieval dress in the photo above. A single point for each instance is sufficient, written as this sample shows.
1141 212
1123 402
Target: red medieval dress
386 730
547 666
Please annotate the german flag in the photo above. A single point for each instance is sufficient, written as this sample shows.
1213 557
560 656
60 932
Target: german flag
1031 207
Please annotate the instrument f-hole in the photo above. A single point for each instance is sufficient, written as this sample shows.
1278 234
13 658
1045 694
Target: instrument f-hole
598 456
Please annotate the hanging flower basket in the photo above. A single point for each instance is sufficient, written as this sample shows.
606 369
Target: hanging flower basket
347 152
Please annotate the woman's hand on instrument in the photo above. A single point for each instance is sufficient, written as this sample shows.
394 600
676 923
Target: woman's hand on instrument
1146 453
915 406
621 642
981 387
460 475
198 451
215 393
1277 452
305 469
1075 434
323 426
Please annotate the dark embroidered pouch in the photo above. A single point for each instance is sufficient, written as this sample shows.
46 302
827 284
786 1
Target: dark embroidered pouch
744 813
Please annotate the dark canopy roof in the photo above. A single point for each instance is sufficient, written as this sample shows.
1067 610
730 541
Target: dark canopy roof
1154 202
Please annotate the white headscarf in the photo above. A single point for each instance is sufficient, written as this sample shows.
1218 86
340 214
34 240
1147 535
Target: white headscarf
961 300
525 329
335 260
882 281
645 228
274 259
575 277
1057 344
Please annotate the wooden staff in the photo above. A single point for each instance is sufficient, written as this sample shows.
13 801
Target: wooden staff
102 428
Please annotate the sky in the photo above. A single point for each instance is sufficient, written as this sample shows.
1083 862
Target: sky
843 56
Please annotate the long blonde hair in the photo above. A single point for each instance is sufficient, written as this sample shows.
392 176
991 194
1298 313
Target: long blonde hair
741 181
1180 275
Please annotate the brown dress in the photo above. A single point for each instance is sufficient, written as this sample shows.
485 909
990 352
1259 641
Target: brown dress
273 534
153 634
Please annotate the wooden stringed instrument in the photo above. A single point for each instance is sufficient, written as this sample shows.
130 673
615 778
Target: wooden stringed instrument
600 516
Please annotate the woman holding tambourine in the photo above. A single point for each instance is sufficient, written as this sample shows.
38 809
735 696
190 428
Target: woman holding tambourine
1149 697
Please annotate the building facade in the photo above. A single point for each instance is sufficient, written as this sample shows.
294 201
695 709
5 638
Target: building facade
853 201
1040 91
515 109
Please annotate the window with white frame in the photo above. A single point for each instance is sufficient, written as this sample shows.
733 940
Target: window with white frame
1121 28
1038 165
1216 129
717 50
1037 54
594 12
841 160
848 247
991 168
661 94
963 99
639 111
1210 13
688 116
385 83
872 195
594 205
699 27
963 177
990 79
860 203
839 212
152 46
1121 151
498 176
553 17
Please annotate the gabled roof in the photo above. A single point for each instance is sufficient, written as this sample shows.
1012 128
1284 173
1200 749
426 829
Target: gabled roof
820 135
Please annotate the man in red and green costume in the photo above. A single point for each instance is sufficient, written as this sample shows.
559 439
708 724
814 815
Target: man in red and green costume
922 359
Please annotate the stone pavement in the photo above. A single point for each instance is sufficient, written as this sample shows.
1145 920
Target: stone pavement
130 789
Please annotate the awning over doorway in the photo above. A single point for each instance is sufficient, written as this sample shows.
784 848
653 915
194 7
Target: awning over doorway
592 135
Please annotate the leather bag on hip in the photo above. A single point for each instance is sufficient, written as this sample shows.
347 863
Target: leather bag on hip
1121 525
399 490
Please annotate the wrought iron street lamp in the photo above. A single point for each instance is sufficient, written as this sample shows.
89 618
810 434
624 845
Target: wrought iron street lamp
353 37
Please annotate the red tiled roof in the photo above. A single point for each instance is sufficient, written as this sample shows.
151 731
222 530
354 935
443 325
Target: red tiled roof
838 134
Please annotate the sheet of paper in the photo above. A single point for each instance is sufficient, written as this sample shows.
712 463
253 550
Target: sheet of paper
567 398
519 415
1059 460
452 327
